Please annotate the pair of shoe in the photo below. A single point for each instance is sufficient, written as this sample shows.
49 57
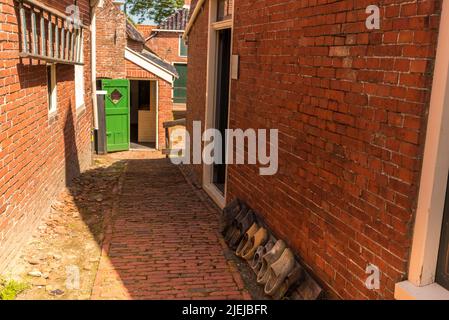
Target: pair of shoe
277 269
240 224
254 238
229 213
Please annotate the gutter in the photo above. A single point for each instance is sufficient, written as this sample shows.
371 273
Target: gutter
155 32
151 62
192 20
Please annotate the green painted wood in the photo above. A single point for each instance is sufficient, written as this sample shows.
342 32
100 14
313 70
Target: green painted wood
117 106
180 85
183 51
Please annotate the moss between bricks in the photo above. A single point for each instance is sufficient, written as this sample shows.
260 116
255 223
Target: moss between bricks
9 289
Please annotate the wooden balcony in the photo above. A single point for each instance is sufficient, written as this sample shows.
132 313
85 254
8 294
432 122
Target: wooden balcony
49 35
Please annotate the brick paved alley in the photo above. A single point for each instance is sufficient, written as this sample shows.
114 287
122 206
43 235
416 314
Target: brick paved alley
163 240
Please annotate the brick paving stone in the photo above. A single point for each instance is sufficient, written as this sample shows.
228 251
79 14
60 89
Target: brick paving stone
163 241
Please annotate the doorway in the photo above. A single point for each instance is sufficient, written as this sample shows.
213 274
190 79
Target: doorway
222 103
143 114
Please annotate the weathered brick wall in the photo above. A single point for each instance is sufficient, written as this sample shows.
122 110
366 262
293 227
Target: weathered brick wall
196 77
145 30
111 41
166 45
165 103
134 45
350 105
38 155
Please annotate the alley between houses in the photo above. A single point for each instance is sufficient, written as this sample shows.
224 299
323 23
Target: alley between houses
130 228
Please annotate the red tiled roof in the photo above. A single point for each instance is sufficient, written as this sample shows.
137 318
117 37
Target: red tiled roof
177 21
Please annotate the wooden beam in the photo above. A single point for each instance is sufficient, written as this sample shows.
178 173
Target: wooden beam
48 59
170 124
168 152
56 38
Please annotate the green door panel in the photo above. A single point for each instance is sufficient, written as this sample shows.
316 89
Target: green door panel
117 114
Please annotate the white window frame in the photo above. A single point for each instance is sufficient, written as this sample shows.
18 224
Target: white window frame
421 283
53 98
179 47
79 84
217 196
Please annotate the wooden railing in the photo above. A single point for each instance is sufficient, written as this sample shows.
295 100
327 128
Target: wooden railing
49 35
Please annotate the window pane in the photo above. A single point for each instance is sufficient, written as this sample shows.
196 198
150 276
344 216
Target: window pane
182 47
224 9
180 86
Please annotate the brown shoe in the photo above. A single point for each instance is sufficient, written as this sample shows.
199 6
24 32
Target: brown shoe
248 235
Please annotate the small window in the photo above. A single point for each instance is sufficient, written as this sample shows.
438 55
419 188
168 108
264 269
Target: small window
52 88
180 85
182 47
224 10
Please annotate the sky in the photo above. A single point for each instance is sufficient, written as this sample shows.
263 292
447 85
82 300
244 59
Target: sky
146 22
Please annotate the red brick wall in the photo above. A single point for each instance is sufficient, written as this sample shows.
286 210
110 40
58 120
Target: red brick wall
38 155
351 106
111 41
166 46
134 45
145 30
196 77
165 103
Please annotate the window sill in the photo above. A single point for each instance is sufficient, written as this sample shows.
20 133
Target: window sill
407 291
179 107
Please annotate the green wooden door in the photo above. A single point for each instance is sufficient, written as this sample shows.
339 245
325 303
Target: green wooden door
117 106
180 85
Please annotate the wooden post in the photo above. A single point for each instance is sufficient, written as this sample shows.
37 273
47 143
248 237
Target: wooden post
62 42
34 31
101 133
56 38
74 44
50 36
23 21
80 56
43 36
67 44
